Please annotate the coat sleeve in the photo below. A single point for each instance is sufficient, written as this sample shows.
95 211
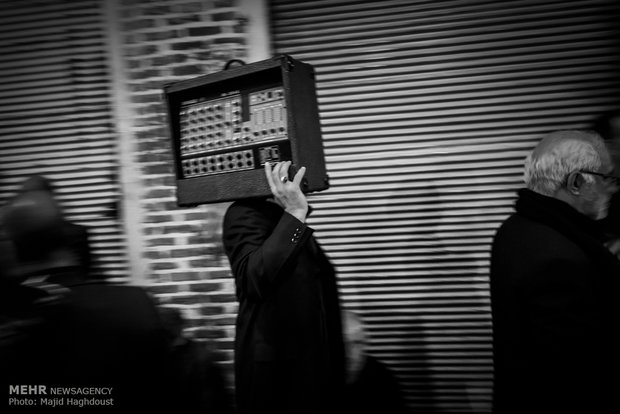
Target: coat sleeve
260 251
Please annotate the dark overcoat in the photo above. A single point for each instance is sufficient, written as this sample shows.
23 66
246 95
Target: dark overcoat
93 335
554 300
289 355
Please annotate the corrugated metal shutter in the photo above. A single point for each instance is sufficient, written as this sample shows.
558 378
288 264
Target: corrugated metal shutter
428 109
56 116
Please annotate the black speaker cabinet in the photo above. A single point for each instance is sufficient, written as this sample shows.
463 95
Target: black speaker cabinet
226 125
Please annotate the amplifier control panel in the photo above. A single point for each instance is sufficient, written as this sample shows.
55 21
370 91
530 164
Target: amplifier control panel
215 134
224 126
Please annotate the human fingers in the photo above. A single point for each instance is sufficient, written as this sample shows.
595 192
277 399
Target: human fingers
299 176
269 175
282 172
275 182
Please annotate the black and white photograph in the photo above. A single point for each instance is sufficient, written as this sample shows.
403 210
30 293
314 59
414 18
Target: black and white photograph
310 206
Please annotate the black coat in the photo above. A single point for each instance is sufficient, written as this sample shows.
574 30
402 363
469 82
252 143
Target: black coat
93 335
375 391
611 224
114 335
288 345
554 296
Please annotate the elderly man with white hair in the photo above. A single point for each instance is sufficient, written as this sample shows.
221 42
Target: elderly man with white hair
554 284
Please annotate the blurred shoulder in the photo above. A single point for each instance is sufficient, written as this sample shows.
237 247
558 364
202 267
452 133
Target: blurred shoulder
524 231
101 291
256 208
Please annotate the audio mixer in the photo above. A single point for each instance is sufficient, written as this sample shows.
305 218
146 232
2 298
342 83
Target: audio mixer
225 126
215 134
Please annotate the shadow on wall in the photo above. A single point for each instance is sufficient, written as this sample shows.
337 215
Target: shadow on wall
432 326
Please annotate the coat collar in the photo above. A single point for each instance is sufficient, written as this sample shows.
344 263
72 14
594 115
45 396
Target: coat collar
561 216
557 213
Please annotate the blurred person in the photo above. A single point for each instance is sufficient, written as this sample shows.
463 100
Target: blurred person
24 311
79 334
554 284
30 306
75 236
288 346
198 381
8 259
370 385
608 127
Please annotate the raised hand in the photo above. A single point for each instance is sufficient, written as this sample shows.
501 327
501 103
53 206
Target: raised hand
287 193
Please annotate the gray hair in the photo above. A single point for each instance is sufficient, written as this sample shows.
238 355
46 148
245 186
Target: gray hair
559 154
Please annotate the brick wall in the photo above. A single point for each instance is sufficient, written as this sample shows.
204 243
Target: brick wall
162 42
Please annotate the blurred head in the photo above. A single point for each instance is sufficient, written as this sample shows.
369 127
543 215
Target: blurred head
33 223
355 344
608 127
36 183
573 166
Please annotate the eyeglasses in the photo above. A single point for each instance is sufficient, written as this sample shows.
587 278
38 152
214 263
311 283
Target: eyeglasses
610 179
